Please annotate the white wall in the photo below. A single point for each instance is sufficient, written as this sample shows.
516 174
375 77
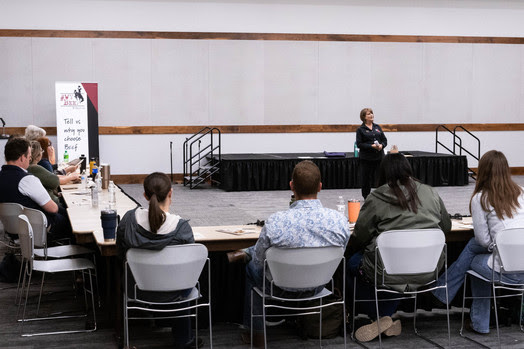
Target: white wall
201 82
421 17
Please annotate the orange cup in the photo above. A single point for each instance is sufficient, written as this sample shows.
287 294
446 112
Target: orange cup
353 210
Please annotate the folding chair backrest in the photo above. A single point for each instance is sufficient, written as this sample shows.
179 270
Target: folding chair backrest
25 234
303 267
170 269
510 246
9 212
38 222
411 251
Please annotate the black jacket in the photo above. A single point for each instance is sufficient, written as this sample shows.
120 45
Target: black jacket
365 140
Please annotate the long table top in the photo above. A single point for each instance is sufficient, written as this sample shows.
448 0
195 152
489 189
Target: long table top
86 219
87 227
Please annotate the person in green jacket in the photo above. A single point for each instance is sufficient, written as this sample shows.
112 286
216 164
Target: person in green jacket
400 202
49 180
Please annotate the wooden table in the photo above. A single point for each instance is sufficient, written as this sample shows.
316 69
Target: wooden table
210 236
87 227
461 230
86 219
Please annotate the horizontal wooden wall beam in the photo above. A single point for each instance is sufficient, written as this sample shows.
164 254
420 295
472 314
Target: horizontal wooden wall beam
148 130
105 34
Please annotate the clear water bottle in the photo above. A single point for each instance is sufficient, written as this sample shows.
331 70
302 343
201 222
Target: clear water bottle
98 179
94 196
83 186
112 195
341 206
355 150
66 157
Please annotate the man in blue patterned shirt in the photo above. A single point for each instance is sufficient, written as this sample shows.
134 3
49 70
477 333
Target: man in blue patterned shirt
306 224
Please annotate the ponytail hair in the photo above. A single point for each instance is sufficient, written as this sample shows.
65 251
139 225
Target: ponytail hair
156 187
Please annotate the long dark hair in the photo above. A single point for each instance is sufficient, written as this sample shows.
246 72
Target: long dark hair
156 187
496 186
394 171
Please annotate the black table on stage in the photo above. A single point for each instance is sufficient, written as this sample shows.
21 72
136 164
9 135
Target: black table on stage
273 171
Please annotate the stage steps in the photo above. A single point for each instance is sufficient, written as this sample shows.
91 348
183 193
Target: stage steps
202 157
457 144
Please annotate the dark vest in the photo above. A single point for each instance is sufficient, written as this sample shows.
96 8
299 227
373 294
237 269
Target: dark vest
10 176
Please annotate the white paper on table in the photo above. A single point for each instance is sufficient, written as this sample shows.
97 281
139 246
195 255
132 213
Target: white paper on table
240 231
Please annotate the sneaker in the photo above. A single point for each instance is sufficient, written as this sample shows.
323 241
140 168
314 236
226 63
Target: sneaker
394 330
369 332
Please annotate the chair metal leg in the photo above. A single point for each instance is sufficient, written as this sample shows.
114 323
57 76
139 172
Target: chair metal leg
378 317
415 317
264 319
25 304
496 312
447 316
251 332
126 318
19 278
96 278
353 309
23 320
344 324
196 323
461 332
40 295
320 327
22 290
520 313
210 325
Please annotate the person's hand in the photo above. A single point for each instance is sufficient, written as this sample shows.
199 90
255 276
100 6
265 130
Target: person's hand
376 146
379 147
393 150
72 168
51 154
73 177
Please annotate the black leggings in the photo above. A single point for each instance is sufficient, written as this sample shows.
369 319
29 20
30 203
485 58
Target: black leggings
369 175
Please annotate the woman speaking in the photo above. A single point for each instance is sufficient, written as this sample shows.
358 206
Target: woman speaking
371 141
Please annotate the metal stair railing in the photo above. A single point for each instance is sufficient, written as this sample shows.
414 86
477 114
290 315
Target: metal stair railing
437 142
473 174
457 143
200 163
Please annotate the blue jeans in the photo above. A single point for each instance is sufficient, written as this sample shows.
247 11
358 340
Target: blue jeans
366 290
254 278
457 271
480 308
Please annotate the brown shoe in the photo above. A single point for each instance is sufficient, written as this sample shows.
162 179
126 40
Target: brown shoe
238 256
394 330
369 332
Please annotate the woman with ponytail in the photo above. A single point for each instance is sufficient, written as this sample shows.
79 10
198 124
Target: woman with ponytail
153 229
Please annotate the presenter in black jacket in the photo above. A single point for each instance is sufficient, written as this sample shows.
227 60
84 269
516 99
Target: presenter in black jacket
371 141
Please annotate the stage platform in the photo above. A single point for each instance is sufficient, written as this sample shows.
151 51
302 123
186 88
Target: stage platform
240 172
